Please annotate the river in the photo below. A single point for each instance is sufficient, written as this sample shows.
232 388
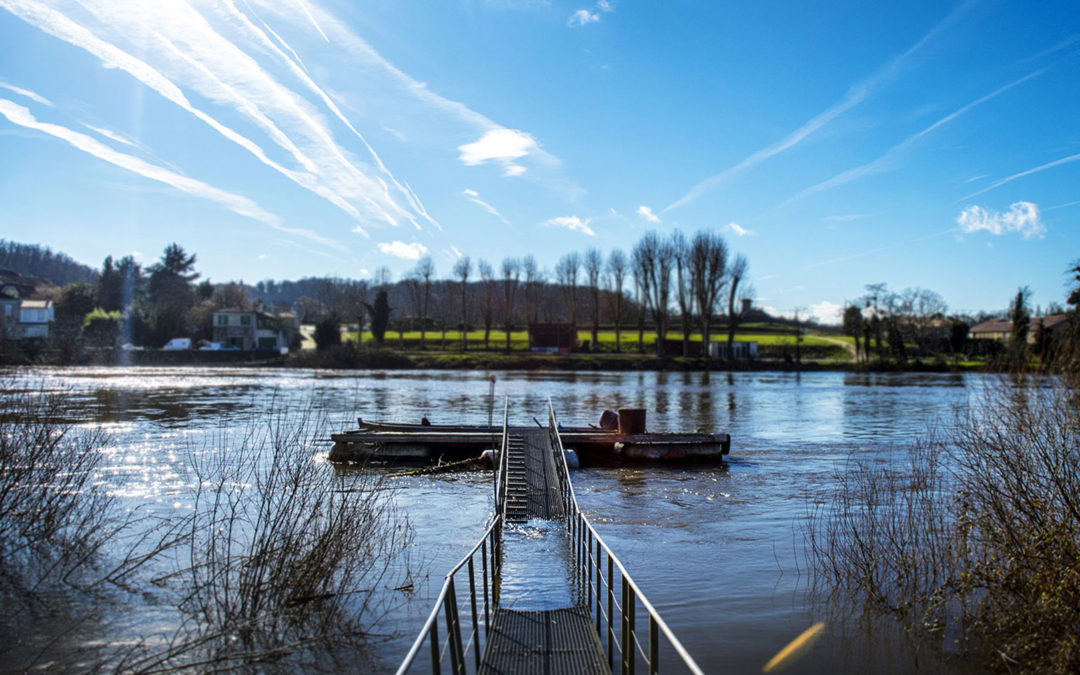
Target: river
717 550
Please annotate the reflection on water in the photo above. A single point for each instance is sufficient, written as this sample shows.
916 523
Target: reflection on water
716 550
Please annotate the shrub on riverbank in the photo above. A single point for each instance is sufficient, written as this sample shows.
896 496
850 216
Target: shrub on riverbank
277 559
980 531
283 565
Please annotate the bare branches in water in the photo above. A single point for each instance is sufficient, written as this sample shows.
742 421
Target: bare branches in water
981 529
273 562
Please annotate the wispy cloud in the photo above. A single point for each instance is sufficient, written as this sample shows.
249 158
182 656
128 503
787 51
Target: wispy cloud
112 135
474 197
572 223
647 214
502 146
179 47
1009 179
27 93
307 12
1022 217
400 249
855 95
359 51
738 230
888 160
17 114
583 17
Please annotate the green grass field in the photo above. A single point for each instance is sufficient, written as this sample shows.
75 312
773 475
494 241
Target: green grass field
772 342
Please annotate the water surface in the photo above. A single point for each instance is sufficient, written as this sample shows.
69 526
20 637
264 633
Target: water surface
716 549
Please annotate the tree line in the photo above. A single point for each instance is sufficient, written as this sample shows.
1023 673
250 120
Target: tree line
665 281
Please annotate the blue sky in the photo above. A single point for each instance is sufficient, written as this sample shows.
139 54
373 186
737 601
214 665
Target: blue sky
834 144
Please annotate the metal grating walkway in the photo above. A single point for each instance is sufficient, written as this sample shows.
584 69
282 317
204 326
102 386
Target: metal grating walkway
548 641
532 488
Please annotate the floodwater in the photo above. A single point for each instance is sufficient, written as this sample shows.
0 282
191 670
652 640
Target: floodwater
717 550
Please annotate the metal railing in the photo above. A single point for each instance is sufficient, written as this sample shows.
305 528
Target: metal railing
501 462
600 573
458 644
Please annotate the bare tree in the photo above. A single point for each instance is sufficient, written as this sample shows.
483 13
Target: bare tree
462 268
656 259
637 266
424 271
566 274
924 307
533 279
511 269
616 269
708 264
487 275
594 263
680 251
736 275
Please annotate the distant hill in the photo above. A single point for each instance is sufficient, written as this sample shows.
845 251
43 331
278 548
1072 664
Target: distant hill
41 262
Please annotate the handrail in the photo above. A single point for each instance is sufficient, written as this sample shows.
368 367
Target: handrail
490 548
502 463
584 538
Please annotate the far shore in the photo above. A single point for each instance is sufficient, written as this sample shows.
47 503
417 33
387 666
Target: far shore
349 357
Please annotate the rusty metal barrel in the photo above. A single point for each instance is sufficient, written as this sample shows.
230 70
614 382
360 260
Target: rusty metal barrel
631 420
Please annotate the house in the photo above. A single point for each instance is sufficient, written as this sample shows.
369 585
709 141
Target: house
999 330
250 329
35 318
10 298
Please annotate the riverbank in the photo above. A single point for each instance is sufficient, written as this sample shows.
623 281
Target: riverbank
350 357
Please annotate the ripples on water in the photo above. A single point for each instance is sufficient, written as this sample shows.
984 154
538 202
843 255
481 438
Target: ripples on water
716 549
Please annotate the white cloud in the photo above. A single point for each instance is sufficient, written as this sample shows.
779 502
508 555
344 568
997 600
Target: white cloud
474 197
1022 217
180 47
738 230
501 145
27 93
108 134
647 214
572 223
400 249
17 114
456 252
582 17
827 312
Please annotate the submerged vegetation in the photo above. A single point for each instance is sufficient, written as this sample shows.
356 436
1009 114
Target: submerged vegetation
274 561
979 534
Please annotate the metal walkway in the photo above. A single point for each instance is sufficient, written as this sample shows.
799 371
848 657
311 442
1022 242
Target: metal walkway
548 641
532 486
597 628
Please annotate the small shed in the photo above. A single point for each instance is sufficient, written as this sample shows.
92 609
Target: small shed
552 338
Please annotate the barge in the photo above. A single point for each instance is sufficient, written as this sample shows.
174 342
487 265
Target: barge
620 439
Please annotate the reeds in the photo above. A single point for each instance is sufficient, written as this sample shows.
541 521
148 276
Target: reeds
980 528
273 563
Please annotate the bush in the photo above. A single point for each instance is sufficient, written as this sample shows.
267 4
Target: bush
981 529
328 332
282 563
